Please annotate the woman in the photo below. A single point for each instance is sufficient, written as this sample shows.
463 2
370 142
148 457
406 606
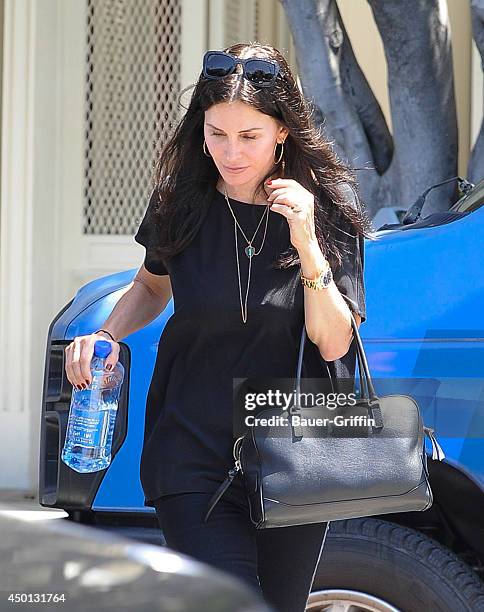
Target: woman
255 229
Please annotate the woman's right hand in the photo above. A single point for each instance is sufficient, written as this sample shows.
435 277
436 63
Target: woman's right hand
78 356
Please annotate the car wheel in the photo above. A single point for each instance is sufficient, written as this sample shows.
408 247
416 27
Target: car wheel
372 565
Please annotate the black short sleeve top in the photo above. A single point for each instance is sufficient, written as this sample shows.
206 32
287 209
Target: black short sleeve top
188 437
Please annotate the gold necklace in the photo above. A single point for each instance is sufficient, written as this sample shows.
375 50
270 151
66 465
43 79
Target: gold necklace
249 251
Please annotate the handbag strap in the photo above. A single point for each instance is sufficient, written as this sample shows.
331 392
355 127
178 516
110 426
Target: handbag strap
367 392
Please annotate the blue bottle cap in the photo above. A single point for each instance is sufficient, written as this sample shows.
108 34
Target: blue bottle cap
102 348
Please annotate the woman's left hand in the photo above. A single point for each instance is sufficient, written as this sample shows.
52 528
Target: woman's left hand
296 203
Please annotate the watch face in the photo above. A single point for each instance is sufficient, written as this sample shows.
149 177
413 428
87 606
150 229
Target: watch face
327 278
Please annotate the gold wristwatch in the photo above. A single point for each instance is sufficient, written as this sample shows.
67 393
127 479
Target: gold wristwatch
321 282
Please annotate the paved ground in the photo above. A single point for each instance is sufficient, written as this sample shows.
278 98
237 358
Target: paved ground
25 504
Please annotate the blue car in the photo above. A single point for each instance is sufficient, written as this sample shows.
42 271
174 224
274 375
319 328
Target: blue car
424 337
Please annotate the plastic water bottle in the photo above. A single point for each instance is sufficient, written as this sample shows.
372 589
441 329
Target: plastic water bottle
92 415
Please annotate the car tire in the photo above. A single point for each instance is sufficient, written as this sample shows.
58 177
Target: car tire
380 565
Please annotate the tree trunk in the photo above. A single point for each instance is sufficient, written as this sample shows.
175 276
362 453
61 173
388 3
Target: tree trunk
423 149
418 50
475 170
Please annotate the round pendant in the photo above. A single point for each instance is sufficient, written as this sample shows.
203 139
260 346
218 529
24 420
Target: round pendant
249 251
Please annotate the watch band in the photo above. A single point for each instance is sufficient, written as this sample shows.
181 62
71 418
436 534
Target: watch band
321 282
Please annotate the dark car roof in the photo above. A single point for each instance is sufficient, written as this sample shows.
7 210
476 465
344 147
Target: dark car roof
100 571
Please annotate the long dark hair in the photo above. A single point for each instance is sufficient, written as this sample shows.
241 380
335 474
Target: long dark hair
185 178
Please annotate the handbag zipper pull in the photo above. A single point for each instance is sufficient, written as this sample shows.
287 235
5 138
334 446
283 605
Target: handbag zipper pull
236 452
222 488
437 450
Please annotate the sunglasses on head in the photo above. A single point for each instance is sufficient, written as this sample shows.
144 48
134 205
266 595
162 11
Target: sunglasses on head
261 72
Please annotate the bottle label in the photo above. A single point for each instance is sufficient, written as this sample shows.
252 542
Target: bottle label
88 428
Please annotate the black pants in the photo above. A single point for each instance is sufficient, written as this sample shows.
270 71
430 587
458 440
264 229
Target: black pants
278 563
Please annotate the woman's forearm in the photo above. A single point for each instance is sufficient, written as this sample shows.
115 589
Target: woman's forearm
135 309
327 316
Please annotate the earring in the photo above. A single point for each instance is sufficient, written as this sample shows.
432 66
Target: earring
204 149
282 151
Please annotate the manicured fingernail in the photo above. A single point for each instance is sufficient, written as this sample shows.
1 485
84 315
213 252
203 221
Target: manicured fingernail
109 366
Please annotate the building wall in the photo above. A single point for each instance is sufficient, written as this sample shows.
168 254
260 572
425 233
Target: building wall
1 79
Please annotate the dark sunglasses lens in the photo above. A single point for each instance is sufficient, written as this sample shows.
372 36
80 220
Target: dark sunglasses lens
218 65
259 71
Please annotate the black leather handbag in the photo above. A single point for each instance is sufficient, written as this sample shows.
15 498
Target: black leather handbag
296 474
